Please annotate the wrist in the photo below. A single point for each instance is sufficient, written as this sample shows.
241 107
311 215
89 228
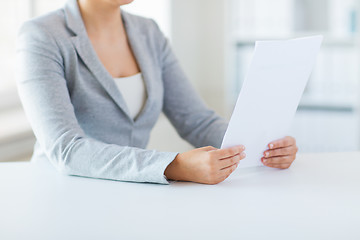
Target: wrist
173 170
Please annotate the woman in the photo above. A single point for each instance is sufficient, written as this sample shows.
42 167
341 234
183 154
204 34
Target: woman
93 80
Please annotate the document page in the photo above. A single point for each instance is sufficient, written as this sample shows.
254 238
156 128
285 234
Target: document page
270 94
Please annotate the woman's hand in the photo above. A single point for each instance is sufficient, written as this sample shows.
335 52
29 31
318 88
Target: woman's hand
207 165
281 153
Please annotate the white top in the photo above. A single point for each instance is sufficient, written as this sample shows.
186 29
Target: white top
134 93
317 198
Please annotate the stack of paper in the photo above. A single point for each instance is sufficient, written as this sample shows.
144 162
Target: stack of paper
270 94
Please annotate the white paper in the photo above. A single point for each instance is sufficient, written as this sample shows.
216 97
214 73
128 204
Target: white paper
270 94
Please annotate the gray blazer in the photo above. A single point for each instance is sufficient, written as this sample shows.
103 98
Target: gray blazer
79 117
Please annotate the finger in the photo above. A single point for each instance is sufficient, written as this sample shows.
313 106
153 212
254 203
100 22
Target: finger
284 142
223 178
229 170
278 160
279 165
227 162
227 152
281 152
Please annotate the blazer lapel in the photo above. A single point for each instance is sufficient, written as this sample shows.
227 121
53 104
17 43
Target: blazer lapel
138 45
88 55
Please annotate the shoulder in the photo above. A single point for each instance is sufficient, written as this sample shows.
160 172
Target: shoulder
42 36
142 23
146 26
43 28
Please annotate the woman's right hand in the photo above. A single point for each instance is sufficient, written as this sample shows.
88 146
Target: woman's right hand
206 165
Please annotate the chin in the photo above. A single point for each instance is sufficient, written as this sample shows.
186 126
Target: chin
122 2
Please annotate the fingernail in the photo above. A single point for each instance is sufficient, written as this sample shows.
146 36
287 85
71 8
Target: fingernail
271 146
264 160
267 154
242 147
243 154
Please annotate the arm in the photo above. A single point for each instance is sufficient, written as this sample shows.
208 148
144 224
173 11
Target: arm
193 120
45 97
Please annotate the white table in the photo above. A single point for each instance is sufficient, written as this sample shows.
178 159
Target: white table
318 198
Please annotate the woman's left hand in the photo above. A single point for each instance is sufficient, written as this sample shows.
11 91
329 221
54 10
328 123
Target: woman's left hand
281 153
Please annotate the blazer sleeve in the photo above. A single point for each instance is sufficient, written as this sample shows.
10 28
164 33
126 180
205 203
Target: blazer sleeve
45 97
187 112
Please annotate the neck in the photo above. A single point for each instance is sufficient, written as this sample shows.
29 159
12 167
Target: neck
100 16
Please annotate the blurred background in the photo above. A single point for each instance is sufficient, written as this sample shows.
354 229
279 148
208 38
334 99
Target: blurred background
214 40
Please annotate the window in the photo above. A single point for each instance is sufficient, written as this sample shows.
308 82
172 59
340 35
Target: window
328 116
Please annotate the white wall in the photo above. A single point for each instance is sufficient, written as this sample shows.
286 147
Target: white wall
199 41
198 34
